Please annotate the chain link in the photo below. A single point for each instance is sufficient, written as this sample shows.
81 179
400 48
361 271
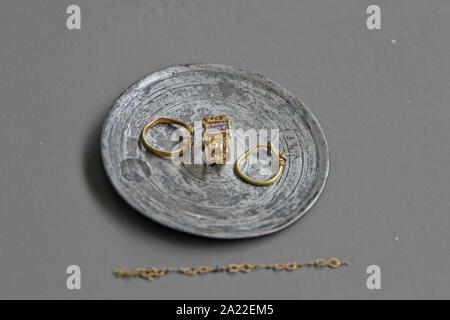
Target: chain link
245 267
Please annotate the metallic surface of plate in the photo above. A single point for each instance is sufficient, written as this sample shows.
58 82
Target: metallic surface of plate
210 200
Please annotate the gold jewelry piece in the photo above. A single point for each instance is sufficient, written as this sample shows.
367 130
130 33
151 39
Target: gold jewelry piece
216 139
245 267
163 153
281 162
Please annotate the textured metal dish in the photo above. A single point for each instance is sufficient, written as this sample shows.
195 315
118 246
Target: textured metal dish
211 200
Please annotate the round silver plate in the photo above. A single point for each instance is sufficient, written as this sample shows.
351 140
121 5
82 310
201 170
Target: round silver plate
211 200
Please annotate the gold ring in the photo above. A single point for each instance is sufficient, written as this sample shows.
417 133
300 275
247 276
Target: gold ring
281 163
163 153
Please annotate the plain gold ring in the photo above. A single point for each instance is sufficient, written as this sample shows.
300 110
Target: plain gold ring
164 153
281 163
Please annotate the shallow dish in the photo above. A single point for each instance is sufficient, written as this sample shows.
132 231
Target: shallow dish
211 200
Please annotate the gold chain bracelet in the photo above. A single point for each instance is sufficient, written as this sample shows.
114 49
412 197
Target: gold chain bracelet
153 272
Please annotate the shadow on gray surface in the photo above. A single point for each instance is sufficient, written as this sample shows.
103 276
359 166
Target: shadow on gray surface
127 216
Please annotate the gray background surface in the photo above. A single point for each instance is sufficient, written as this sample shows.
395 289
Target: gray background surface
381 96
